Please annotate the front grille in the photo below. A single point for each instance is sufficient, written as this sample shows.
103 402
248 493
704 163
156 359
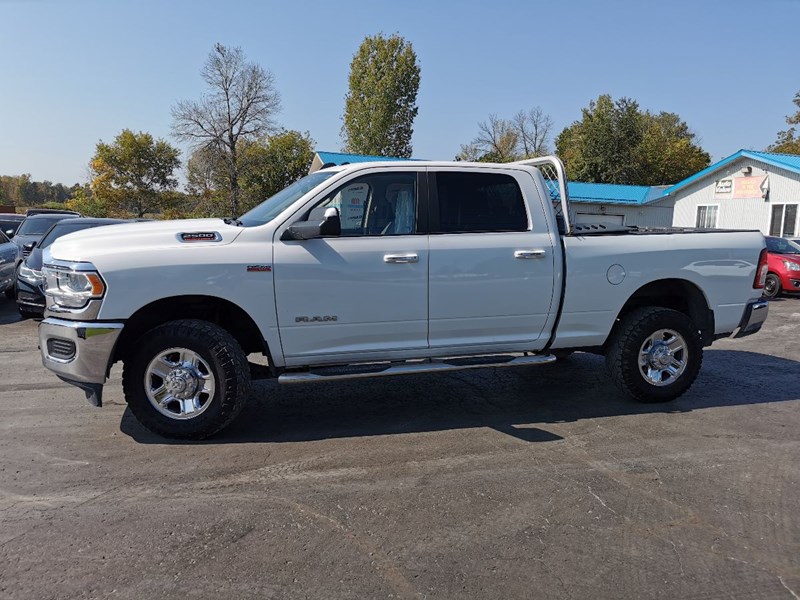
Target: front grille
62 349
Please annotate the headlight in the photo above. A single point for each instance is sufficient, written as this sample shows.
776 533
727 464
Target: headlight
73 288
29 275
791 265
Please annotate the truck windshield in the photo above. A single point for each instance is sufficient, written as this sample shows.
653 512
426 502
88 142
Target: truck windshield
272 207
39 225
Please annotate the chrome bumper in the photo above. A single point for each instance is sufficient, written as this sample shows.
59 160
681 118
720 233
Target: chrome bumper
79 353
753 318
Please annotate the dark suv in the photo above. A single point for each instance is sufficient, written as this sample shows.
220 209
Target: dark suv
35 226
10 222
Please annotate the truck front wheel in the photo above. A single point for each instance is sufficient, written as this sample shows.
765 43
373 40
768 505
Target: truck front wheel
187 379
655 354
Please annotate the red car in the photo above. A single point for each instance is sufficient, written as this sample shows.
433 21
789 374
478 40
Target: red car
783 260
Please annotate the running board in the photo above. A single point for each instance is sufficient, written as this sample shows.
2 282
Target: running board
411 367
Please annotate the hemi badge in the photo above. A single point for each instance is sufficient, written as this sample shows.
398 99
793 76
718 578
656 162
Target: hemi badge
259 268
200 236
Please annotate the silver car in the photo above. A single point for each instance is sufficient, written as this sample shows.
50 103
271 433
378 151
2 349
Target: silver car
9 258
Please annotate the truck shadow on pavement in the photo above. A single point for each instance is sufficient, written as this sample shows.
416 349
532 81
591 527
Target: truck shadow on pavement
515 401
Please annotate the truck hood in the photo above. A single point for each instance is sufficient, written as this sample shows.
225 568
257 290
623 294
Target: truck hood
84 246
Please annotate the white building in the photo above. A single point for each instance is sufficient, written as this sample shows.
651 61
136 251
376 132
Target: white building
747 190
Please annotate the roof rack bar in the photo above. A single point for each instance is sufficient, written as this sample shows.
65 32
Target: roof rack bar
546 165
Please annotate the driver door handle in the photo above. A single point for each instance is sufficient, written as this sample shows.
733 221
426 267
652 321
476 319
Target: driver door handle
529 253
400 258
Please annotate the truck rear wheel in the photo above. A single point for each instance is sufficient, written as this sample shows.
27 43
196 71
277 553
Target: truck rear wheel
187 379
655 354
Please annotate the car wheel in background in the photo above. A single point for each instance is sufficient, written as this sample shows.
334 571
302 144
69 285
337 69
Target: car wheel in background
772 286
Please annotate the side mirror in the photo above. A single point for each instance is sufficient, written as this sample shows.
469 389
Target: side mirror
29 246
9 233
322 222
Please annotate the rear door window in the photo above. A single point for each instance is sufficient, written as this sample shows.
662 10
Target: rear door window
479 202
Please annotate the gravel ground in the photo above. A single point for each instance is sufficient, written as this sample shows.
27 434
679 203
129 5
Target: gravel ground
500 483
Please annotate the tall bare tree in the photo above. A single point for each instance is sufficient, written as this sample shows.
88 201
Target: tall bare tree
525 135
240 105
534 129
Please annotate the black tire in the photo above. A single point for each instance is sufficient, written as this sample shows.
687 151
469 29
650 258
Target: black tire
772 286
9 293
226 362
628 340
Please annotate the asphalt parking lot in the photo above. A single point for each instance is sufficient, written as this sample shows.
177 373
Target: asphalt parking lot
536 482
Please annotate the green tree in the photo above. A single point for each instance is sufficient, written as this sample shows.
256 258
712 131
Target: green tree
269 166
616 142
381 103
788 141
240 105
83 201
206 184
134 175
667 152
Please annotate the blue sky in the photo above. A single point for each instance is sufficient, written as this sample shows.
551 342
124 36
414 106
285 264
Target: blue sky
77 71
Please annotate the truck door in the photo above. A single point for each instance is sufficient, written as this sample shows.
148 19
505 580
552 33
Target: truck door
491 260
364 293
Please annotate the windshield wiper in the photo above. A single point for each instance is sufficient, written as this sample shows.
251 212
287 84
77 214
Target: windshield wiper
232 221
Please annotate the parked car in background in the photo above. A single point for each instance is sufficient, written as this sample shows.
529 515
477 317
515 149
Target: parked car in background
35 226
10 222
9 257
784 267
51 211
29 288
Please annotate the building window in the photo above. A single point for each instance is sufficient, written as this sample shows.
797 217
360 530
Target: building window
706 216
784 220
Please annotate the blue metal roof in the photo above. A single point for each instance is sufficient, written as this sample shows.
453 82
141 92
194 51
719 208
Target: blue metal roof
341 158
790 162
609 193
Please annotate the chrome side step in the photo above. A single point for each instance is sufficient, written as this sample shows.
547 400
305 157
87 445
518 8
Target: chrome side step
406 368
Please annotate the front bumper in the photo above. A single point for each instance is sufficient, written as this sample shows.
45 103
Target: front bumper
79 352
753 318
30 295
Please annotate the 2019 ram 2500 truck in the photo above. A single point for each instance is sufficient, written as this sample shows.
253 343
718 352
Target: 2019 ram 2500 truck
388 268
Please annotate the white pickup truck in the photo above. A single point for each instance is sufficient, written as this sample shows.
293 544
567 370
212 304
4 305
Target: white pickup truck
388 268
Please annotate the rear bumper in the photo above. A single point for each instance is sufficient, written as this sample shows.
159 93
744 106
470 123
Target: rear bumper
79 353
753 318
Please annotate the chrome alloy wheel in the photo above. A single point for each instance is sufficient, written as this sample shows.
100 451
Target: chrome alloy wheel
663 357
179 383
